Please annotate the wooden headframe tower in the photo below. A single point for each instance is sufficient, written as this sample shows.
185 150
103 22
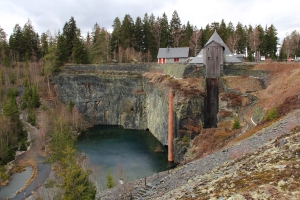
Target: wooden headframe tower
213 59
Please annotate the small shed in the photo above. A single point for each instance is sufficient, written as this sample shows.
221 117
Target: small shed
172 55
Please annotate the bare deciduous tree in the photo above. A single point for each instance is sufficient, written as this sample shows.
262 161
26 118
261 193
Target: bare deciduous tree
156 31
232 42
288 46
194 43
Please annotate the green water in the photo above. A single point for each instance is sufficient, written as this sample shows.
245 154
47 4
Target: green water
129 154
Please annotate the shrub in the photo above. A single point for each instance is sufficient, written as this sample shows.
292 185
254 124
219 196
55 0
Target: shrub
236 124
109 180
70 106
185 139
271 114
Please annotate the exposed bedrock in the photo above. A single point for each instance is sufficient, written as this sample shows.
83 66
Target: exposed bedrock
131 100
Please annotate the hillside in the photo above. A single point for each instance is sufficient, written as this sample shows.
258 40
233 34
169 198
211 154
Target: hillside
254 162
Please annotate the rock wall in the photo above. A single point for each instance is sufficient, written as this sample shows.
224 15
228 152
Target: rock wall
131 100
108 98
243 70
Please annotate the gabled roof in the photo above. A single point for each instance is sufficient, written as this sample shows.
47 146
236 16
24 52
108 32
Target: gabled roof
229 57
182 52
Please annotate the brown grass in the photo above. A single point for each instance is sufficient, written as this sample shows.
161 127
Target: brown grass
283 91
210 140
284 82
243 83
187 87
232 98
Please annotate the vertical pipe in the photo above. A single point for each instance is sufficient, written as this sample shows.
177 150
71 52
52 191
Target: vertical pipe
170 128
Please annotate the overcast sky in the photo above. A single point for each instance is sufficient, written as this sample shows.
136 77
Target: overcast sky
52 14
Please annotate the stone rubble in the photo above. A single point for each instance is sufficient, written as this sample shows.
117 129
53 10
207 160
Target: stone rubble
268 170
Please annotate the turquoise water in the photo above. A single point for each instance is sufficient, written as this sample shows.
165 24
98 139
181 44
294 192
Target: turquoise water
16 182
129 154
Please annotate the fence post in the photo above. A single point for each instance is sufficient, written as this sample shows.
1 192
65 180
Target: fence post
145 181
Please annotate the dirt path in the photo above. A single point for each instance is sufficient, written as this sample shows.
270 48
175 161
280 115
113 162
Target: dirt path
35 158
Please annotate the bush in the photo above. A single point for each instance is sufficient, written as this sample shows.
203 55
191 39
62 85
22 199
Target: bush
271 114
236 124
185 139
109 180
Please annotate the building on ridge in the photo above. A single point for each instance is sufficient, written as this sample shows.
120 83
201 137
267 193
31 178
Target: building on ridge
172 55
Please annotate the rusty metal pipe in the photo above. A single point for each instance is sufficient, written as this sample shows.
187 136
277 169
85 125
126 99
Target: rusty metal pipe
170 128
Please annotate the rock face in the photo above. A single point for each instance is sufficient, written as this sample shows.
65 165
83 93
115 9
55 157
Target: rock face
131 100
107 99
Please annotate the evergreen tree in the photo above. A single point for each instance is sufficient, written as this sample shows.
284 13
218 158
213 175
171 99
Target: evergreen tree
44 44
175 30
223 31
206 34
31 118
236 124
61 137
139 35
61 53
26 98
10 108
69 34
100 48
115 37
147 37
88 42
16 44
80 54
155 30
109 180
188 32
95 32
31 42
76 182
4 50
127 32
35 97
241 35
262 46
271 42
2 78
165 36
